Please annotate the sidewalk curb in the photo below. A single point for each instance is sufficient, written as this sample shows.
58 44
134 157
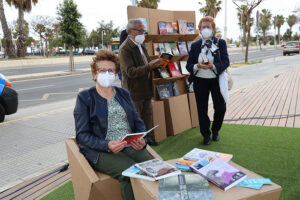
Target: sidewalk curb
47 74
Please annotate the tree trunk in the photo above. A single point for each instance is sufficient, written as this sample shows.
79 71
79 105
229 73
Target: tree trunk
264 38
248 37
21 42
47 53
10 48
71 59
278 35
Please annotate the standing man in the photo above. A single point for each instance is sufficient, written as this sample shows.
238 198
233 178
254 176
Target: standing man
136 67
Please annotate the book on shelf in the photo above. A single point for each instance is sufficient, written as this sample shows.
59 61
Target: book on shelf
162 27
130 138
145 23
165 90
182 48
189 45
172 70
162 48
135 172
190 28
175 27
177 68
218 172
175 89
158 169
156 49
174 49
182 25
184 187
163 72
169 27
168 48
183 67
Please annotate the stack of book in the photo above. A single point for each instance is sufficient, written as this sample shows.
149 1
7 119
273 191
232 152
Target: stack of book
181 48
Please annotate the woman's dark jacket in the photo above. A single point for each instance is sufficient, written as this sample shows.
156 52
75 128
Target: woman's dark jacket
91 121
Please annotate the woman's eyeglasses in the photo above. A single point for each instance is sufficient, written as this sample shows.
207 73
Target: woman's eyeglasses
102 70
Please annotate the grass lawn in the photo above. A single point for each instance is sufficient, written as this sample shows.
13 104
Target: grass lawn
272 152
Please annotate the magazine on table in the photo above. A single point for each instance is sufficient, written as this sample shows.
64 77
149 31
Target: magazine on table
218 172
158 169
184 187
197 154
130 138
135 172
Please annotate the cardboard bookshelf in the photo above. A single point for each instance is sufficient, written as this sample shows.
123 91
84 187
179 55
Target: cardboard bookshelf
176 108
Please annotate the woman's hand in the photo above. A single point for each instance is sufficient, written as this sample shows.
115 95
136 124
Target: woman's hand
138 144
116 146
205 66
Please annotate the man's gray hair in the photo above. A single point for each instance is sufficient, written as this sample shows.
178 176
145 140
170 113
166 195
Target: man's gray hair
132 22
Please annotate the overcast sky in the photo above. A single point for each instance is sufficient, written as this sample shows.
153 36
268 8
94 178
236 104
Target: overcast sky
94 11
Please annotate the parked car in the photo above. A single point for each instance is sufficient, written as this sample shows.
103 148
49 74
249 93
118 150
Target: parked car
2 55
232 45
116 51
291 47
8 98
88 52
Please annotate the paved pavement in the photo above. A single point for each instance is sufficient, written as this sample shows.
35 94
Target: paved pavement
32 140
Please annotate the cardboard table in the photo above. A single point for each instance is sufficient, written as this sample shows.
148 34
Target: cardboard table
148 190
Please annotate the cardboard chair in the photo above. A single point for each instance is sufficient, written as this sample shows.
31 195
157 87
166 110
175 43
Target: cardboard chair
89 184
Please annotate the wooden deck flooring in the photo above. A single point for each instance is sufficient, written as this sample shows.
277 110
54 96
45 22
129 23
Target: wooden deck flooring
274 101
38 187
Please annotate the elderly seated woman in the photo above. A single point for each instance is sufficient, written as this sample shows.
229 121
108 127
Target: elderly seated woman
103 116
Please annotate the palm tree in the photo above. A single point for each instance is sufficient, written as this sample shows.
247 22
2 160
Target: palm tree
242 17
280 22
148 3
265 22
212 8
291 20
10 48
22 6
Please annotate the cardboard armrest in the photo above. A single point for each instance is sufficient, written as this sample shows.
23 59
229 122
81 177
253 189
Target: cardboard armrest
153 153
81 160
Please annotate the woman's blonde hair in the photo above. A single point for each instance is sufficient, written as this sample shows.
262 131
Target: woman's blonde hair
207 19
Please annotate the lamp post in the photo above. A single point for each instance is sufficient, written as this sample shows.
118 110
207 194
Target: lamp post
102 33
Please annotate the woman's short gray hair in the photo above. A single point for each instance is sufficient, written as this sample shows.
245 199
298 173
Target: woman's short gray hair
131 24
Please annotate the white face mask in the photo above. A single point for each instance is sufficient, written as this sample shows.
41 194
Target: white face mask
206 33
139 39
106 79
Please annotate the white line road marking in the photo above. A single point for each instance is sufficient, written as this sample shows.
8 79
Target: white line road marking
45 86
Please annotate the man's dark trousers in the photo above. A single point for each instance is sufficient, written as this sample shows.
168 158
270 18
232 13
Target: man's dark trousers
202 88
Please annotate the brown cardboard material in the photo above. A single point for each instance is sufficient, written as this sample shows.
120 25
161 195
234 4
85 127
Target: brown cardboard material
193 109
89 184
177 114
160 133
149 190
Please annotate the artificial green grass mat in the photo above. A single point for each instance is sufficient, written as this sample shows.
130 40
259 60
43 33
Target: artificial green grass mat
272 152
64 192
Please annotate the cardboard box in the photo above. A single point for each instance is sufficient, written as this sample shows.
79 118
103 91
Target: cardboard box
160 133
193 110
177 114
149 190
89 184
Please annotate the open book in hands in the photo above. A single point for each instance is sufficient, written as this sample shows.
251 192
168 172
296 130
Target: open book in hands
132 137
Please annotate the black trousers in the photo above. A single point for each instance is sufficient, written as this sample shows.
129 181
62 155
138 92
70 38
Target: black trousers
202 88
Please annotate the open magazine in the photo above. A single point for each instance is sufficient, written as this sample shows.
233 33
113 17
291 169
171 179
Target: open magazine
158 169
135 172
130 138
